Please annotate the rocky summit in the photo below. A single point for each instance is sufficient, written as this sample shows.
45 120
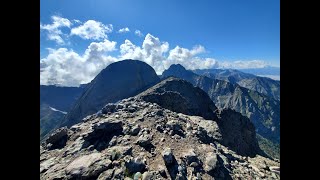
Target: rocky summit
117 81
180 96
140 138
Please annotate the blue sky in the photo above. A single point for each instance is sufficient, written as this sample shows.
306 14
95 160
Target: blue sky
225 30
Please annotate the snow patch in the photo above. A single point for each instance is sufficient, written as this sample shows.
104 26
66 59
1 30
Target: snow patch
54 109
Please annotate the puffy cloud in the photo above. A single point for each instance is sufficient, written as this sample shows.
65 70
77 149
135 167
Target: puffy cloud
54 32
244 64
68 68
152 52
138 33
124 30
92 30
188 59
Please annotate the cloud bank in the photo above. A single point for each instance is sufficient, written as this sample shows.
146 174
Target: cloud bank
66 67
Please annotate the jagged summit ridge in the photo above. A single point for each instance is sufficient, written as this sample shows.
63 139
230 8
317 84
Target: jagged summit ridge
138 138
180 96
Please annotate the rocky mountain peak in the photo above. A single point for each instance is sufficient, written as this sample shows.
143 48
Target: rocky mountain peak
176 67
117 81
180 96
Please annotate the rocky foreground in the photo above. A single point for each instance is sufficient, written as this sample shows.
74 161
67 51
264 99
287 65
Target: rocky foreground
135 139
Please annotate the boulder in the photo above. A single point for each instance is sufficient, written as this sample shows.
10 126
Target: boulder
144 140
88 166
135 130
106 175
167 156
58 138
137 164
211 162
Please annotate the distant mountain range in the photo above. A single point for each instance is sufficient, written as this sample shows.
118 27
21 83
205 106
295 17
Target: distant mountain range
263 110
263 85
269 71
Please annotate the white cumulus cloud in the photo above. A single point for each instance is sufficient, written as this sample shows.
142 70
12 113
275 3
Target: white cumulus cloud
92 30
138 33
188 58
154 52
67 68
124 30
54 32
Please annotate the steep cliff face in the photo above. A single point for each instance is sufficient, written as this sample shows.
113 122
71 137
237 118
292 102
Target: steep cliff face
262 110
262 85
117 81
54 102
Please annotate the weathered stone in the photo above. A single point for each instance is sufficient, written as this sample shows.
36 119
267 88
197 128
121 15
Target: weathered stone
189 127
87 166
148 176
159 128
162 170
135 130
211 162
113 141
144 140
119 151
190 156
167 156
275 169
106 175
194 164
137 176
58 138
173 125
109 108
118 173
45 165
126 130
136 165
